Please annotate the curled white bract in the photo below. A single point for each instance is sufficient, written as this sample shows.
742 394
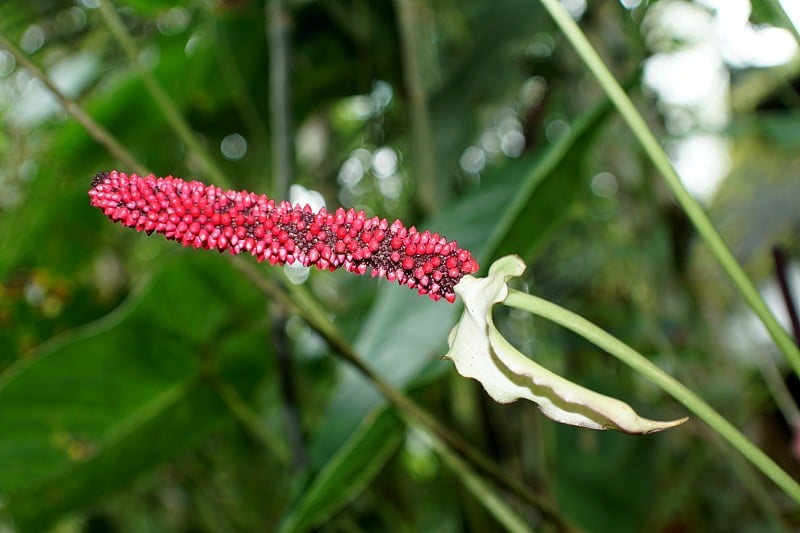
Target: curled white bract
479 351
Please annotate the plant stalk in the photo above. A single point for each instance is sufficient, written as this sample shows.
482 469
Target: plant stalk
425 166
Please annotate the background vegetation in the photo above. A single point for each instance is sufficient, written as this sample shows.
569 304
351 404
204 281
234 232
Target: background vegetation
145 387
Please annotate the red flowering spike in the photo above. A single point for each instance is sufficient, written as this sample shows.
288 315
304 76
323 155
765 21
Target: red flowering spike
205 216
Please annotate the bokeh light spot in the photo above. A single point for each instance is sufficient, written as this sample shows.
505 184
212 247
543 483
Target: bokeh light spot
7 63
32 39
472 160
173 21
604 184
384 162
233 147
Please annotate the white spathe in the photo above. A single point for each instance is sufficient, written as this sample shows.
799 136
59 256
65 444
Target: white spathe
479 351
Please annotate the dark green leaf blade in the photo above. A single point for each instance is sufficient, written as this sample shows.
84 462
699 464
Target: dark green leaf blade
99 406
351 469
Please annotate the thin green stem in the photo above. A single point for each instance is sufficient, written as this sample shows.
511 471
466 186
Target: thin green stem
660 160
412 413
670 385
162 100
277 22
95 130
425 167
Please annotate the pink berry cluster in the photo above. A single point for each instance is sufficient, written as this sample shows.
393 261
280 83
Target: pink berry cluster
205 216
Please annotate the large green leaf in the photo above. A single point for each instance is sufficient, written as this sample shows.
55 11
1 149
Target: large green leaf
96 407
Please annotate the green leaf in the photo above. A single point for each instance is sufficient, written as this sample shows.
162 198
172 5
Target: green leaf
98 406
548 189
587 484
351 469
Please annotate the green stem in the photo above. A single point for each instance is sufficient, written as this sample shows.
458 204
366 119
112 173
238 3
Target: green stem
425 167
660 160
95 130
277 24
162 100
670 385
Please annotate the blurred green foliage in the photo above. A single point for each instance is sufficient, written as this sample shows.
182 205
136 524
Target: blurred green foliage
126 364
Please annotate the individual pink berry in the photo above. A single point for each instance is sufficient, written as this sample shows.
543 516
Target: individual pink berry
205 216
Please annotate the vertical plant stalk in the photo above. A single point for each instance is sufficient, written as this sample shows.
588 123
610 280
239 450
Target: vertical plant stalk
95 130
779 258
769 369
691 207
277 27
181 128
670 385
162 100
278 22
428 193
286 380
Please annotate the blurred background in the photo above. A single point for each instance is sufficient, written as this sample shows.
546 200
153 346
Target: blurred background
147 387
